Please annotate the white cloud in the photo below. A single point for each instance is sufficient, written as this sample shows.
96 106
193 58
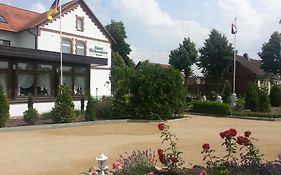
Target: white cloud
153 56
160 27
254 25
38 7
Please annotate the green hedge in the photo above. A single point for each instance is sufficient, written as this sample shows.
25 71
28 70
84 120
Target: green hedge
211 107
258 114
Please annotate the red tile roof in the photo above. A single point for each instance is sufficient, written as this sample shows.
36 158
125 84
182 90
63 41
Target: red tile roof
20 19
16 18
251 64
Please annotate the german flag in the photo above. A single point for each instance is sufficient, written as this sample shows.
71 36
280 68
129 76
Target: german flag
53 9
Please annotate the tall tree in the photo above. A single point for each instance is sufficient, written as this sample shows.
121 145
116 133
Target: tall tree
117 31
215 56
270 54
183 57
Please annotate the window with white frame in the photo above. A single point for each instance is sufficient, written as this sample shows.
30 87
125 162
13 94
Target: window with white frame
80 23
66 45
80 48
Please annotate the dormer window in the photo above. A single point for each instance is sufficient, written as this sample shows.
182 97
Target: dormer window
2 19
79 23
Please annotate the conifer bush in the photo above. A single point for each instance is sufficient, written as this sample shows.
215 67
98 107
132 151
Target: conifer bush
63 112
252 98
90 113
264 101
226 93
275 95
4 108
30 115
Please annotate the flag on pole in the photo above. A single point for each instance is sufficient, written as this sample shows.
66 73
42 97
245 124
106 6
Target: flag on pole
233 29
53 9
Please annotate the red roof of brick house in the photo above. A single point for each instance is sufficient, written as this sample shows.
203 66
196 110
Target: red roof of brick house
251 64
20 19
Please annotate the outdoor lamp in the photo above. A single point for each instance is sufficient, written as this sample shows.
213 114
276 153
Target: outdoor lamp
101 163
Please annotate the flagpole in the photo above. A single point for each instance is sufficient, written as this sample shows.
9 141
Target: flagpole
61 78
234 59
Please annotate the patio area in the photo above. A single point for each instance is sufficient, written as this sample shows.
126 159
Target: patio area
73 150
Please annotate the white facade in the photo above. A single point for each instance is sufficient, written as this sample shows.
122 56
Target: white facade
48 38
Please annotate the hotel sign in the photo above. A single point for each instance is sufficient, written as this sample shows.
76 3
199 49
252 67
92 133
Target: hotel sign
99 51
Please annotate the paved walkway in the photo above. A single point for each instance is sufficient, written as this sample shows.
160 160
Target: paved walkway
73 150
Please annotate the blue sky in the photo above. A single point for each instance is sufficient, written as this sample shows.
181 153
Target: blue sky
155 27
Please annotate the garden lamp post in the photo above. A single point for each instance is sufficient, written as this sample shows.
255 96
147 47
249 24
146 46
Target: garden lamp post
101 163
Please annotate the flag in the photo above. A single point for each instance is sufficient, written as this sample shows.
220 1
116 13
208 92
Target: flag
53 9
233 29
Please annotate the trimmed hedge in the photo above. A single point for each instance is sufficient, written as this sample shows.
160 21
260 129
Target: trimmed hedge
211 107
258 114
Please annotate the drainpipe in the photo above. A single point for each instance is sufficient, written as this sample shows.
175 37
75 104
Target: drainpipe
35 37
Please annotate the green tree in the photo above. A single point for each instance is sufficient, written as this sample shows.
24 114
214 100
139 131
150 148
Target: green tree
183 57
30 115
270 55
63 112
4 107
90 113
264 101
156 92
215 56
275 95
252 98
117 31
226 93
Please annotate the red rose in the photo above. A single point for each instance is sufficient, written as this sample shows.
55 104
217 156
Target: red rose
173 159
246 142
160 151
206 146
222 134
232 131
247 133
162 158
204 172
240 140
161 126
94 173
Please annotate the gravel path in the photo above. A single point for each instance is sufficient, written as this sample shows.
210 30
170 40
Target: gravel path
73 150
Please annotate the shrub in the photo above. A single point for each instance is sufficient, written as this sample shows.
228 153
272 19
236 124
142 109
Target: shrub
275 95
30 115
226 93
82 103
137 163
258 114
104 108
90 114
4 108
63 112
252 98
156 92
264 101
240 104
211 107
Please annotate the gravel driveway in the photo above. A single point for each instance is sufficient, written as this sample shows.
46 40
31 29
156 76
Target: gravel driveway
73 150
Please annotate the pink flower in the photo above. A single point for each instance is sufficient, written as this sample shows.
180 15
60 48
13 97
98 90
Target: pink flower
206 146
116 165
161 126
203 172
151 173
93 173
247 133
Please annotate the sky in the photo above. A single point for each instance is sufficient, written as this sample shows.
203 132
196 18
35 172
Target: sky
155 27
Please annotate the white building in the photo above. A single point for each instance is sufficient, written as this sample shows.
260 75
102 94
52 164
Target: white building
30 55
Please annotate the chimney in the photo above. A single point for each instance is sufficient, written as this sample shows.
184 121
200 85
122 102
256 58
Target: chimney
245 55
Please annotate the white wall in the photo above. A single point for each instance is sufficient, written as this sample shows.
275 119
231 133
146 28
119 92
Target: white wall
27 39
13 37
16 110
100 80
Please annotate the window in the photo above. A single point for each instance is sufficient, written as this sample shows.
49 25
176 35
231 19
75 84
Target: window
80 48
25 79
66 45
4 76
44 80
2 19
5 42
75 79
80 23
